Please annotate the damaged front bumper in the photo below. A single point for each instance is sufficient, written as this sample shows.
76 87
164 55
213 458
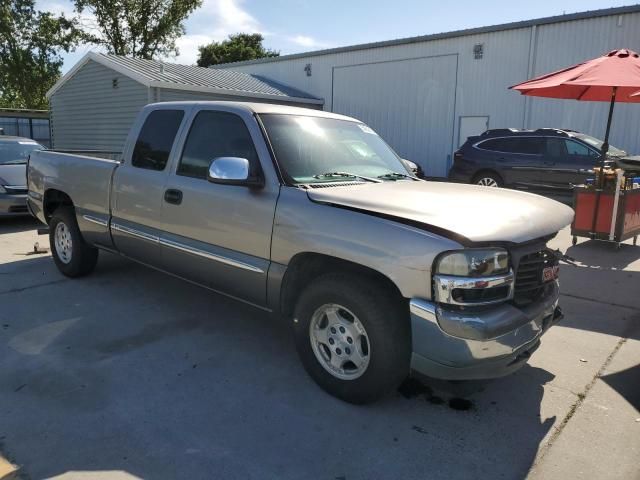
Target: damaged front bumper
466 344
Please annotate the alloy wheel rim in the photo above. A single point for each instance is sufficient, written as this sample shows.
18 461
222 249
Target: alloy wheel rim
487 182
63 242
339 341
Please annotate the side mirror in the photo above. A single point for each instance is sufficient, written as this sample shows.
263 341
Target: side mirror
413 167
232 171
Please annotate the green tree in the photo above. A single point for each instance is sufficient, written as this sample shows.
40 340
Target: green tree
238 47
137 28
30 45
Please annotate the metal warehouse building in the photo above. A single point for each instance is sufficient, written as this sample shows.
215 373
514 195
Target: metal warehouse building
95 103
426 94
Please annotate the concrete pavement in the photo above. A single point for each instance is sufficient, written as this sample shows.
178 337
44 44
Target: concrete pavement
130 373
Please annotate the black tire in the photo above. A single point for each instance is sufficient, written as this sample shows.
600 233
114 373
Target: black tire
83 257
388 335
486 177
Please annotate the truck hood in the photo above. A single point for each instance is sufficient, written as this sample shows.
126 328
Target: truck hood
478 214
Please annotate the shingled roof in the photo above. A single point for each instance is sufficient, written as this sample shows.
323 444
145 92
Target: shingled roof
153 73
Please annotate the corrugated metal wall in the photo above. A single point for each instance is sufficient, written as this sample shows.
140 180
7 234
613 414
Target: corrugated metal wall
565 44
89 113
425 100
510 56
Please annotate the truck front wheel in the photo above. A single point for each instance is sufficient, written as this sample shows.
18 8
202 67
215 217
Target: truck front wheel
353 337
71 254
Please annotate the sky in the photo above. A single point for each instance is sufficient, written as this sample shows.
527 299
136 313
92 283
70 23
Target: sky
292 26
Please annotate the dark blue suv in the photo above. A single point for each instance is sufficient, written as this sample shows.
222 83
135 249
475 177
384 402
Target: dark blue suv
546 160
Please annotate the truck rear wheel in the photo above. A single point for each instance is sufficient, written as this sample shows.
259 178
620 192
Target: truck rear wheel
71 254
353 337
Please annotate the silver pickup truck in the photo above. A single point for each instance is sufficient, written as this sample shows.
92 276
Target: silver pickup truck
312 216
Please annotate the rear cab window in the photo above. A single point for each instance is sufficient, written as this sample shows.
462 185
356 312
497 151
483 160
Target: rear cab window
156 138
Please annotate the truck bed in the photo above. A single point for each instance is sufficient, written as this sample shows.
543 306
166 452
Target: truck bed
85 179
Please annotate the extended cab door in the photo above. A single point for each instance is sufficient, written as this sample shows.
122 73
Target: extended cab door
138 186
220 235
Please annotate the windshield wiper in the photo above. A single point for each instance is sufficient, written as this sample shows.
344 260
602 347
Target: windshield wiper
395 176
346 174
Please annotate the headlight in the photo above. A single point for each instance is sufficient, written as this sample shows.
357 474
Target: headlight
2 189
472 262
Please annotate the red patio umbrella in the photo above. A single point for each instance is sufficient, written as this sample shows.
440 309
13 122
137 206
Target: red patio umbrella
614 77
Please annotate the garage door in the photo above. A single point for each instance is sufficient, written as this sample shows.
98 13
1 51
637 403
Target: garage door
410 103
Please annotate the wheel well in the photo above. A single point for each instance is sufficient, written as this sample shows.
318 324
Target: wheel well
306 267
486 171
52 200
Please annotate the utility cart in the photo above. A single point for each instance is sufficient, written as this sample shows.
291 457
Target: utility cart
612 213
602 212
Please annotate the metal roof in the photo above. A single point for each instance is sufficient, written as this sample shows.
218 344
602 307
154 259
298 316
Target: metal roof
605 12
153 73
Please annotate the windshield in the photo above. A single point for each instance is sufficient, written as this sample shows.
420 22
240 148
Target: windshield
594 142
17 152
315 149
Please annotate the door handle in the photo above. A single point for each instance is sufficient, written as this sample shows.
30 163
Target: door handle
173 196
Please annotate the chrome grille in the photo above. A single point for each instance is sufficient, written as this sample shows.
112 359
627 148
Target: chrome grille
529 284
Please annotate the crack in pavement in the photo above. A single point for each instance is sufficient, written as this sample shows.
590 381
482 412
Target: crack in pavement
576 405
22 289
611 304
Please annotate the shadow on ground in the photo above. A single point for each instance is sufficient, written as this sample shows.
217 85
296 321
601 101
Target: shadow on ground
604 255
18 224
131 370
627 384
599 275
